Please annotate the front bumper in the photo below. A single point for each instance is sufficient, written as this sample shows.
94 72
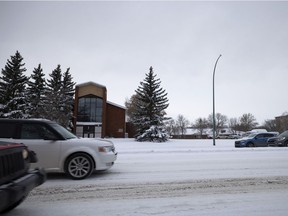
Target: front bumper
16 190
106 160
239 144
276 144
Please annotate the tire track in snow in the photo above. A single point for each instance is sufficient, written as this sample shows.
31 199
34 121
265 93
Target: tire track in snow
157 190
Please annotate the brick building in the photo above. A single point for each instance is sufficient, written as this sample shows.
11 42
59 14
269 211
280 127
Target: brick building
282 123
94 116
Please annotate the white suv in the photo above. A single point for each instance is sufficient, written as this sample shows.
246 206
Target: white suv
57 149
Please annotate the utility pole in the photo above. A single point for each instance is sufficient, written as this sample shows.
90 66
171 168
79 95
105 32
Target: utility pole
214 126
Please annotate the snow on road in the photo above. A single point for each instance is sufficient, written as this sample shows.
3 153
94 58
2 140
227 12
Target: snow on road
180 177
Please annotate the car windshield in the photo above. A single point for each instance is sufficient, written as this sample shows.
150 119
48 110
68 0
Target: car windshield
252 135
64 132
284 134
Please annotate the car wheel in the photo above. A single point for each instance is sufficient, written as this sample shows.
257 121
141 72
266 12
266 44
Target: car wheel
79 166
250 145
286 144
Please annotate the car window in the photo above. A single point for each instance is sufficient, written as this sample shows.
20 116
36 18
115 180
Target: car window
251 135
7 130
260 136
269 135
36 131
284 134
63 131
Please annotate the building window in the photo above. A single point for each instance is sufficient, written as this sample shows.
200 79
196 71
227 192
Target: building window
90 109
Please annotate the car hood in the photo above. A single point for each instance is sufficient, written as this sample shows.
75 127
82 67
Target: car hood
273 138
243 138
7 145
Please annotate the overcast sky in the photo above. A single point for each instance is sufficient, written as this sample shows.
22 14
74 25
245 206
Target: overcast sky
115 43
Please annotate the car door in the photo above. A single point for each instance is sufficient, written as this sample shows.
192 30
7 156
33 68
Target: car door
261 139
44 142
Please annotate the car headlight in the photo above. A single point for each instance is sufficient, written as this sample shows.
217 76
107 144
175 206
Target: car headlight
25 154
282 138
105 149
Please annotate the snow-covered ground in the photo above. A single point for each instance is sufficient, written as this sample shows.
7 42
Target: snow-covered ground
176 178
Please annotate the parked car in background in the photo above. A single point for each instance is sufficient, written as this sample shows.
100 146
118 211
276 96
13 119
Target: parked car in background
59 150
255 140
280 140
254 131
16 177
234 136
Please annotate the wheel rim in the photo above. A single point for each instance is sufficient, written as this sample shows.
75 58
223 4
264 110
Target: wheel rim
79 167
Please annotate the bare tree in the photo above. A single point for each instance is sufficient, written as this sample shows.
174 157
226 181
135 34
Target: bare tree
270 125
220 121
172 128
247 122
182 123
130 105
233 124
201 124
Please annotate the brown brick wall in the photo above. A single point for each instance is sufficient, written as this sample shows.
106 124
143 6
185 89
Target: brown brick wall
115 121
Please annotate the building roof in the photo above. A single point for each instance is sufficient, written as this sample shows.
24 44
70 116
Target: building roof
281 117
113 104
91 83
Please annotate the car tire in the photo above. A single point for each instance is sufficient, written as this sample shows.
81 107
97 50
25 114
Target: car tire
79 166
251 145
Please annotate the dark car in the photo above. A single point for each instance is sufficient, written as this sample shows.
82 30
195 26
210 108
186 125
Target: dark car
16 177
255 140
280 140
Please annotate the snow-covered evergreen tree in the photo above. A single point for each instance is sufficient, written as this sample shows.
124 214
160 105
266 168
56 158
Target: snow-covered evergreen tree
67 98
53 103
149 116
36 93
59 97
12 88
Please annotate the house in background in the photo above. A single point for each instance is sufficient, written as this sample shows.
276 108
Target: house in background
281 123
94 116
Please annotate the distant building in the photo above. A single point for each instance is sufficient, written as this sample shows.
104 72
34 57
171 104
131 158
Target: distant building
281 123
94 116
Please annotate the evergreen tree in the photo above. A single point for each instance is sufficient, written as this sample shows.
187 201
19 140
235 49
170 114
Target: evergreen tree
53 105
12 88
59 97
151 102
36 93
67 99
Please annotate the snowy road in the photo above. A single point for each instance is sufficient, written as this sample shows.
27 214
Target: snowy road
183 178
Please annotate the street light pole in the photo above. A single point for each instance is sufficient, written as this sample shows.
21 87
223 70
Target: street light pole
214 127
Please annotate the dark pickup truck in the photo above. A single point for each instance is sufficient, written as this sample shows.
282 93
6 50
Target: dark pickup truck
16 178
